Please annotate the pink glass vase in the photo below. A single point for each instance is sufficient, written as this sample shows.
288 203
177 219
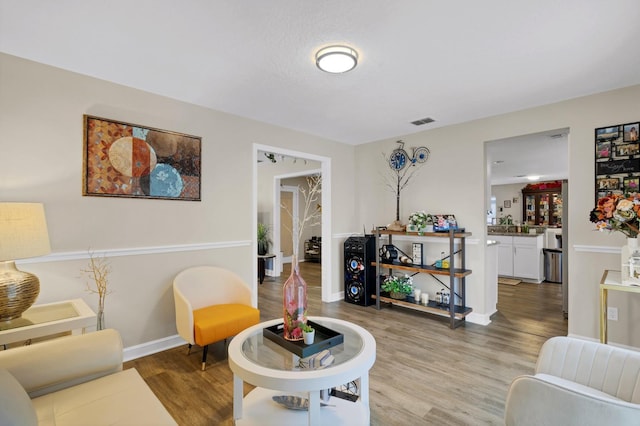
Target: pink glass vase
294 302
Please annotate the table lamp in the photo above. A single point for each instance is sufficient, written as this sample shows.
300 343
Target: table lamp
23 234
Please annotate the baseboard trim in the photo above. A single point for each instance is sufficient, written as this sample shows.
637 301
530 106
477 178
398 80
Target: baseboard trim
480 319
152 347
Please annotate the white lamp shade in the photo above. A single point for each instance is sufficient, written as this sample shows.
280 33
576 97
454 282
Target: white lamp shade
23 231
336 59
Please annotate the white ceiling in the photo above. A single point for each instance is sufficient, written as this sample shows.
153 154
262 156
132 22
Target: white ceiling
544 154
451 60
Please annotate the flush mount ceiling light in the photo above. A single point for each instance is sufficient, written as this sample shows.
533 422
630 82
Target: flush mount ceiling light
336 59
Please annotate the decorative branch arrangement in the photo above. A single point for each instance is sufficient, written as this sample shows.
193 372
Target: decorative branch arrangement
402 169
98 272
312 213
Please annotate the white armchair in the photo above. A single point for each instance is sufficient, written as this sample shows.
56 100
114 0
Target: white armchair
577 382
212 304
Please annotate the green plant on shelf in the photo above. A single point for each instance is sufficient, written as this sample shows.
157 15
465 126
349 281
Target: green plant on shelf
398 284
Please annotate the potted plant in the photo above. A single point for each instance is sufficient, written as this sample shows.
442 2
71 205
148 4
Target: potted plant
398 287
263 239
428 227
308 333
417 221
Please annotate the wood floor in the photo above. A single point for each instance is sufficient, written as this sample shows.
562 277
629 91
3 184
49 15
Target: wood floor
425 373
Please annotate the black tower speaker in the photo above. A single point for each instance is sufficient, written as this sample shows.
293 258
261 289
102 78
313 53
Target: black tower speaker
359 275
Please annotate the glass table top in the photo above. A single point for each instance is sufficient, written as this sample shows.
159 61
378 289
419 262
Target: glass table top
41 314
266 353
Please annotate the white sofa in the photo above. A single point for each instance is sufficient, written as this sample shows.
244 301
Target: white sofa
75 380
577 382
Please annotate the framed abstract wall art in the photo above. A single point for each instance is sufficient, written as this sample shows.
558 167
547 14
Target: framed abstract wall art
128 160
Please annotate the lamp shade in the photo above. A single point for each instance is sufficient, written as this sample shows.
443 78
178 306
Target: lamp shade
23 231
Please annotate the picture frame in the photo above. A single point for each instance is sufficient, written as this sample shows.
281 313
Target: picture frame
603 149
507 204
631 184
607 133
630 132
617 159
627 149
121 159
606 184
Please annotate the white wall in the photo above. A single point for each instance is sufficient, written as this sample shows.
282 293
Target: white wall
508 192
454 180
41 111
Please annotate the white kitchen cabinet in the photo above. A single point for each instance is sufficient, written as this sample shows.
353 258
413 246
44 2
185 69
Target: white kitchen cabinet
505 255
520 257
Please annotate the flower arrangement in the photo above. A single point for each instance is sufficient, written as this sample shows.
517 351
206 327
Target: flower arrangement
419 219
615 212
397 284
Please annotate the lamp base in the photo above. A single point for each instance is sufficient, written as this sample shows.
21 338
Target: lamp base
18 290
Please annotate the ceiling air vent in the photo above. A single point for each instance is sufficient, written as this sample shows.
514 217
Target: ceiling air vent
423 121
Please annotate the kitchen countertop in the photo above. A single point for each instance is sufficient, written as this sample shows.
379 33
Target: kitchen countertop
515 234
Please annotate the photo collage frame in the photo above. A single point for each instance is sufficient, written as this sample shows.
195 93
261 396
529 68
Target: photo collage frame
617 160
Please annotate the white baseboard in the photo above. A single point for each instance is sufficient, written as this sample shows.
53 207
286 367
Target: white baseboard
476 318
150 348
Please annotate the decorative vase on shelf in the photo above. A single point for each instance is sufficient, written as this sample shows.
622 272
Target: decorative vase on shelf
294 301
630 262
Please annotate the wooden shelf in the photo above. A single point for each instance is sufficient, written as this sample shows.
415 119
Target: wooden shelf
456 312
424 234
426 269
442 310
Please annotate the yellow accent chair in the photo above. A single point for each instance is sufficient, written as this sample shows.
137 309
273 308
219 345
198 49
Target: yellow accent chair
212 304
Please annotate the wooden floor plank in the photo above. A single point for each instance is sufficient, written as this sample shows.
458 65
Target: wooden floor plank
425 373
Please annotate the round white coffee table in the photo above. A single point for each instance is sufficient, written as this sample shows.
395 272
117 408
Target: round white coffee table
274 370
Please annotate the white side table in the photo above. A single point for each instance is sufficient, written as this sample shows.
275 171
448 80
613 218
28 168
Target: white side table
270 367
48 319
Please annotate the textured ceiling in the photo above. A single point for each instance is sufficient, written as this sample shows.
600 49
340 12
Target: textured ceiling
451 60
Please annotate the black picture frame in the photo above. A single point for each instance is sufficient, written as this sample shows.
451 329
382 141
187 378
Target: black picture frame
627 149
607 133
630 132
608 183
631 184
507 204
603 149
617 159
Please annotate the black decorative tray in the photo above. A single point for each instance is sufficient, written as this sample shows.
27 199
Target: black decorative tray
325 339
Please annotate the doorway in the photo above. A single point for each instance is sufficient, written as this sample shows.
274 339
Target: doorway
265 182
513 163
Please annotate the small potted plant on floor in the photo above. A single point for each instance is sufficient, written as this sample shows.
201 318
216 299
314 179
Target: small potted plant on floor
398 287
308 333
263 239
